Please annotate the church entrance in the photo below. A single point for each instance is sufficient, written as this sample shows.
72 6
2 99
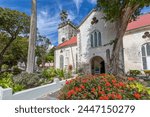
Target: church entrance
97 65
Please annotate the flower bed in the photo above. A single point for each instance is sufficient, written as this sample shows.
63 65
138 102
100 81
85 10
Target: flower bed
103 87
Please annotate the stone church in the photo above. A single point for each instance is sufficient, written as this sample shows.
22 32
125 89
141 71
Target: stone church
88 45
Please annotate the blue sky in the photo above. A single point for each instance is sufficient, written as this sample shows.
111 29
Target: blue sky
48 12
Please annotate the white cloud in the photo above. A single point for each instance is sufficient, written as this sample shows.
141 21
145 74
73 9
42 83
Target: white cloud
78 4
93 1
47 23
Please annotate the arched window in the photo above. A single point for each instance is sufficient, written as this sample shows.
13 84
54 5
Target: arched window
96 39
92 41
108 56
61 61
99 39
146 55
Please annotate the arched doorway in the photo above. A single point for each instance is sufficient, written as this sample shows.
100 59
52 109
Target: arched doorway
97 65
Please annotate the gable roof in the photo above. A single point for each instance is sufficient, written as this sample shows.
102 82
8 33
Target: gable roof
141 21
72 41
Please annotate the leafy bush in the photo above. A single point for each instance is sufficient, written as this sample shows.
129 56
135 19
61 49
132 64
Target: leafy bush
103 87
134 72
49 73
6 81
16 70
5 67
28 80
60 73
147 72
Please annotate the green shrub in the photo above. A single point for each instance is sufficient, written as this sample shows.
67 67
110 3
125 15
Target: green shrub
4 67
6 81
103 87
60 73
147 72
49 73
28 80
16 70
134 72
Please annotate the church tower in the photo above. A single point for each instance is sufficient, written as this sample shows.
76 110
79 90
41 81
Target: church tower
66 28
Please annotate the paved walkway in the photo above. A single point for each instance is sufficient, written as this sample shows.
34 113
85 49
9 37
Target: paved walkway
52 96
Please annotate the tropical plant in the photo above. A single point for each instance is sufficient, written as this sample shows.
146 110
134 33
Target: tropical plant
49 73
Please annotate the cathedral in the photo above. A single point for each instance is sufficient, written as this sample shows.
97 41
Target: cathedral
88 46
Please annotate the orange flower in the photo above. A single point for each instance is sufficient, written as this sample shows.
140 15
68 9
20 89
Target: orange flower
137 95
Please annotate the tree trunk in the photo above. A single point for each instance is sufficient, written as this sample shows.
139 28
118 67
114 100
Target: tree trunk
32 39
122 25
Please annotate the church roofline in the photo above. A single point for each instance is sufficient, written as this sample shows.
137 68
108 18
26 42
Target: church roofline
93 10
67 23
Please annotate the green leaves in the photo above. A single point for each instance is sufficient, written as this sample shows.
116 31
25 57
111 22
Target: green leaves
114 9
14 22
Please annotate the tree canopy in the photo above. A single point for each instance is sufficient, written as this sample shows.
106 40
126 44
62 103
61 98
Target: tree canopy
12 24
115 9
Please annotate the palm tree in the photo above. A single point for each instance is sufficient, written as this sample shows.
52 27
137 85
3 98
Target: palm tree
32 39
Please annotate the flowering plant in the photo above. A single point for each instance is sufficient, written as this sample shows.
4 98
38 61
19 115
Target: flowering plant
102 87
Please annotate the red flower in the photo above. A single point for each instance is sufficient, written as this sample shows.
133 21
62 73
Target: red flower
118 96
82 87
99 88
84 80
67 82
137 95
85 95
76 89
107 84
70 93
101 92
104 98
131 79
114 81
93 90
121 84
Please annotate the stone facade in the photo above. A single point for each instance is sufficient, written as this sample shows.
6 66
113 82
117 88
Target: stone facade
93 48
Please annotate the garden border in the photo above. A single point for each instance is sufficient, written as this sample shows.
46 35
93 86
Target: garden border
33 93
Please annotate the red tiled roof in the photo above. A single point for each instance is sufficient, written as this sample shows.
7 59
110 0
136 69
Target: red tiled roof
141 21
72 41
